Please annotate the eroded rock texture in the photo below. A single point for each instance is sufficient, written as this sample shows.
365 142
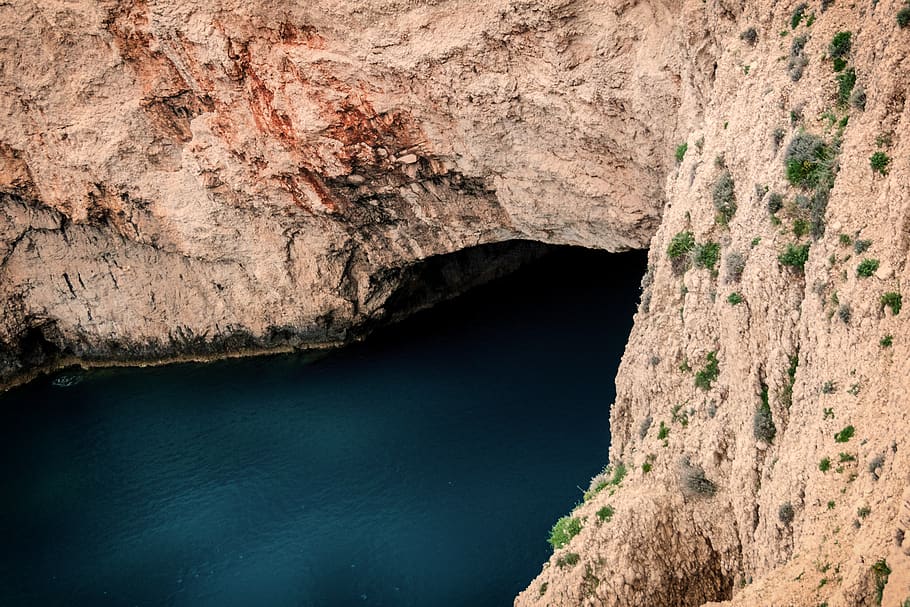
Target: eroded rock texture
777 476
181 178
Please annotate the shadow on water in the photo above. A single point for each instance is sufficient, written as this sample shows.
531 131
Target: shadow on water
422 467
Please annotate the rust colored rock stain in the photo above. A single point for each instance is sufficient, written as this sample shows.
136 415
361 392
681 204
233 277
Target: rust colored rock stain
247 101
168 98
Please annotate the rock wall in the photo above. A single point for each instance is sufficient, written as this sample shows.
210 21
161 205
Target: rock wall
180 179
741 482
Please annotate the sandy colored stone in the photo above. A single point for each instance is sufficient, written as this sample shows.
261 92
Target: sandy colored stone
183 178
664 546
193 179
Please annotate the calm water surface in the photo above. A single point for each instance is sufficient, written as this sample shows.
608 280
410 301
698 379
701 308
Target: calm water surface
422 468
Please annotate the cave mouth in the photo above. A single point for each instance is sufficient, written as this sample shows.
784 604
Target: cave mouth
439 278
422 466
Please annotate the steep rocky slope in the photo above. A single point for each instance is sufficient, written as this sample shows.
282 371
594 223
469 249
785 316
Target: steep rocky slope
181 178
178 180
743 479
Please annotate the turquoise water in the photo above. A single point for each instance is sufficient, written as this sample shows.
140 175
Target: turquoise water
423 467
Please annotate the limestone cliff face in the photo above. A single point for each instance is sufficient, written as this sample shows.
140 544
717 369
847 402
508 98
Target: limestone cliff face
182 178
779 475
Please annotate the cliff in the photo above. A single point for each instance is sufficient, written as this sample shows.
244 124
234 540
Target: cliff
183 181
760 431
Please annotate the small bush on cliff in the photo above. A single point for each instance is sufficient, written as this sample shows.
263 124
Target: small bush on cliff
724 196
734 299
858 98
808 160
681 244
694 480
825 464
845 83
645 426
775 203
564 530
707 376
798 13
797 61
569 559
840 45
735 263
892 300
605 514
794 256
763 427
879 163
887 341
750 36
844 435
861 246
785 513
706 255
867 267
681 152
880 573
903 17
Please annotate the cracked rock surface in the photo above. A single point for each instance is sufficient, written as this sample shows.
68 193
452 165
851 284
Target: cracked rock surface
185 178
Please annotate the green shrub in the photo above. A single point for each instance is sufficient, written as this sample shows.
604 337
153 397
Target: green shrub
706 255
846 457
879 162
867 267
724 196
646 467
839 64
825 464
798 13
840 45
903 17
605 514
734 299
681 244
564 530
681 151
829 387
861 246
569 559
794 256
800 227
880 571
887 341
845 82
663 432
845 240
844 435
807 160
785 513
892 300
707 376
